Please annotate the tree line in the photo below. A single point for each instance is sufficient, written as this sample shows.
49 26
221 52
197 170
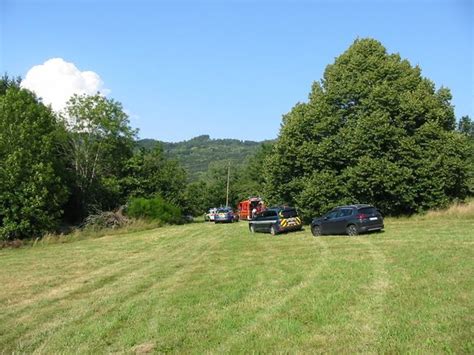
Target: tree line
60 168
373 130
197 153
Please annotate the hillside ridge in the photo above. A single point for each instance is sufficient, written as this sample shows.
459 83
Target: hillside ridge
197 153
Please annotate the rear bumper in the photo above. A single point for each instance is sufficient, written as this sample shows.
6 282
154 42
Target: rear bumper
221 219
371 228
289 228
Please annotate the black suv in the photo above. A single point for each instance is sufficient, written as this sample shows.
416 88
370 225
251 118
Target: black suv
351 220
276 220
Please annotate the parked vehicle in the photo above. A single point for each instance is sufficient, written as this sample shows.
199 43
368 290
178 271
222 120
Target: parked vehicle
209 216
225 215
276 220
351 220
247 206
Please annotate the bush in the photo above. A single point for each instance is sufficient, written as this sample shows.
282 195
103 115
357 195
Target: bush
156 209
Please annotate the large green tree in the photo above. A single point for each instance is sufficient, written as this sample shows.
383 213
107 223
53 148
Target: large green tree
374 131
100 142
31 189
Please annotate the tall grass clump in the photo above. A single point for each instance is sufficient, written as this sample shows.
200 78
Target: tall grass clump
154 209
460 210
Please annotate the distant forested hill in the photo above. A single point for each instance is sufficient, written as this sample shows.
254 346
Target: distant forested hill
196 154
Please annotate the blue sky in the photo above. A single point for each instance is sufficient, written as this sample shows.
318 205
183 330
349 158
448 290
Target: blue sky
230 69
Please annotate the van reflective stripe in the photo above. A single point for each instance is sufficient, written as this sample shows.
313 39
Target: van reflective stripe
290 222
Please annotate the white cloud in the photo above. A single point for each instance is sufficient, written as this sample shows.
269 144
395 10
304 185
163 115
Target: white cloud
56 80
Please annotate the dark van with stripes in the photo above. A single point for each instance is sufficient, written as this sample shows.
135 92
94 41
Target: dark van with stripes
276 220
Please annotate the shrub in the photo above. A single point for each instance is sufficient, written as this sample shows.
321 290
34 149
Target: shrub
154 208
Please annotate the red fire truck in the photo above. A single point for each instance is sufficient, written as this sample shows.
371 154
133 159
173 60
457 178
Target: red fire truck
247 206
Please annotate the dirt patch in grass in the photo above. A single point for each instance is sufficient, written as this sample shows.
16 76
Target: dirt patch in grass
144 348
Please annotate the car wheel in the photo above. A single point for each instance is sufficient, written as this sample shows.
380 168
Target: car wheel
252 228
273 230
316 231
352 230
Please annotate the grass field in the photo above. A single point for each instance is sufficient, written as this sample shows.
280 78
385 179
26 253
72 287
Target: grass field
216 288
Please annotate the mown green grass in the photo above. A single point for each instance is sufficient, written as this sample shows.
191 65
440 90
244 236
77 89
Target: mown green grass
216 288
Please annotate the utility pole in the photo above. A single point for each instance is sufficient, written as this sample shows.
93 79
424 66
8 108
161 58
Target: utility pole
228 180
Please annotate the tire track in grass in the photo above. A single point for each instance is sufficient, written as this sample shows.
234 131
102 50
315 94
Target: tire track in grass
81 284
262 318
129 264
225 254
48 313
152 315
165 285
157 291
138 291
368 312
81 278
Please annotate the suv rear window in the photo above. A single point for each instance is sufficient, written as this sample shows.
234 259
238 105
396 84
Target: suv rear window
368 210
289 213
269 213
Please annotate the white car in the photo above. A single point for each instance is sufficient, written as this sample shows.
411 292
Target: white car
210 216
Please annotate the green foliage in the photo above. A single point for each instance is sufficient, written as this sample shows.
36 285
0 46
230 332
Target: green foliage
215 181
99 143
250 178
155 209
196 154
206 161
320 192
373 131
246 179
7 82
149 173
466 127
31 188
198 198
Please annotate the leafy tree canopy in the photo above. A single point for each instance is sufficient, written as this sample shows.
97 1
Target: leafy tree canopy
196 154
31 188
373 131
99 143
149 173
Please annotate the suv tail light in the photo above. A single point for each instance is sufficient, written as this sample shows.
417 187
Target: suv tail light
361 216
